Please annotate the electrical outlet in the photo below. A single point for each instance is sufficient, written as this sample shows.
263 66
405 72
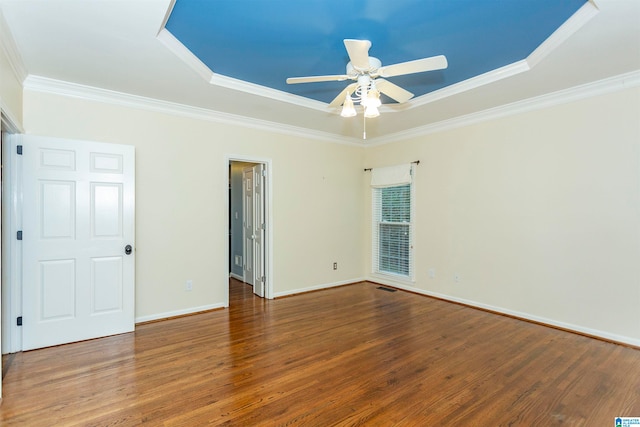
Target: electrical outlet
189 285
335 265
432 273
456 277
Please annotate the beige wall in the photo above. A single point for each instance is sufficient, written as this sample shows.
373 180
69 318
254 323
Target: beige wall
181 217
538 213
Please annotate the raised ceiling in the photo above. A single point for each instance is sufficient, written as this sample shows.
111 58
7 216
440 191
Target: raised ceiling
501 53
264 42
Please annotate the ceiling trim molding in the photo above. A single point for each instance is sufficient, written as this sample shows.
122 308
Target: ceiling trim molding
472 83
208 75
167 14
566 30
11 50
602 87
254 89
78 91
184 54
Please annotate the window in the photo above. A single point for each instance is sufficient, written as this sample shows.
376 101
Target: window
392 230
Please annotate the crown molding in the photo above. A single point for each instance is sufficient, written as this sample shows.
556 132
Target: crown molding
601 87
11 50
72 90
89 93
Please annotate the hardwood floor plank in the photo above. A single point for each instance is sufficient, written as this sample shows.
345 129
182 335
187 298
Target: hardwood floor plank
347 356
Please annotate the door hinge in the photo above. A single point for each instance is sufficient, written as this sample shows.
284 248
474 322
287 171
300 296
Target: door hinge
19 235
263 279
19 149
264 172
19 321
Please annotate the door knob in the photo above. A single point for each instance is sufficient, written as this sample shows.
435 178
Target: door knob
128 249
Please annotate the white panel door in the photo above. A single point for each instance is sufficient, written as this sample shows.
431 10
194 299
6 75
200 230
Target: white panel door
258 230
78 239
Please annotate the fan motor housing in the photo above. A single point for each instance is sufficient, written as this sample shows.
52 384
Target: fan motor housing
374 64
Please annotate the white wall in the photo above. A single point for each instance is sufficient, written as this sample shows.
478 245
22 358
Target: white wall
539 213
10 82
181 180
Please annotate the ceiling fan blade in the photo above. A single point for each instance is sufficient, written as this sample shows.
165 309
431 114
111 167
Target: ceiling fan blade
418 66
339 100
313 79
393 91
358 51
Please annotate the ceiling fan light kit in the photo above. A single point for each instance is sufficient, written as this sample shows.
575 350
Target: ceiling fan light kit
373 97
367 71
348 110
371 112
366 94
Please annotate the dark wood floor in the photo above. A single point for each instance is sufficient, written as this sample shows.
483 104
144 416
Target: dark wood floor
354 355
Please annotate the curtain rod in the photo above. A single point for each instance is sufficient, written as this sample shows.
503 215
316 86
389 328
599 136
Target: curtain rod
417 162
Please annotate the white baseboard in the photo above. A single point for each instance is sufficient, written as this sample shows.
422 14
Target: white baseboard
169 314
236 276
525 316
193 310
318 287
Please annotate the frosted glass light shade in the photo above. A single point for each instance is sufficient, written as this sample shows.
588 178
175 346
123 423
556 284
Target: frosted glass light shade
348 109
372 99
371 112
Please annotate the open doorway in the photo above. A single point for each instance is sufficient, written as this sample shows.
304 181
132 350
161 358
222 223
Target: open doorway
249 257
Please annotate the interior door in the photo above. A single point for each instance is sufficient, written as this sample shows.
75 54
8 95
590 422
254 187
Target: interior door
259 226
247 232
78 239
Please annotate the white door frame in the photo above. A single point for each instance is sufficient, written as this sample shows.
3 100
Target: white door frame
9 129
268 247
12 259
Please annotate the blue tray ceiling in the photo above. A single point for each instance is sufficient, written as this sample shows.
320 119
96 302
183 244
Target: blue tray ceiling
264 42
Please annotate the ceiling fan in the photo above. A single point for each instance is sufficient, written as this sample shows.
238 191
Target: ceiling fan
368 73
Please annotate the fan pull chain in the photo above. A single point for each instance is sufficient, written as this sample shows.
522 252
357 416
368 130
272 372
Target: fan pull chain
364 127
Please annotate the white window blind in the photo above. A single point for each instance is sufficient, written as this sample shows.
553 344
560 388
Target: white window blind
392 225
